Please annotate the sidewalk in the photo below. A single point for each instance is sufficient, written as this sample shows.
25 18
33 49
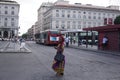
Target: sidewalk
93 48
12 47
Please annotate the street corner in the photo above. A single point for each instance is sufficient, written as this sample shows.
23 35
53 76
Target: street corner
14 48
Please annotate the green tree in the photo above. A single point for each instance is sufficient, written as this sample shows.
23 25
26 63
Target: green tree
117 20
25 35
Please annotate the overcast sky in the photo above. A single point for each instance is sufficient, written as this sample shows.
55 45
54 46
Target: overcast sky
28 10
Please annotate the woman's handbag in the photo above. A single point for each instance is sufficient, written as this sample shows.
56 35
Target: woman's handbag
59 56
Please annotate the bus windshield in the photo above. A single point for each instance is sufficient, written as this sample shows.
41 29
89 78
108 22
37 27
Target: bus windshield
54 32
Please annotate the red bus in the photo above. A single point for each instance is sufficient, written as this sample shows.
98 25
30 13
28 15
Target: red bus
48 37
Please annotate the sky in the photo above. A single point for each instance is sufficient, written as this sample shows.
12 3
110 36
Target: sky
28 10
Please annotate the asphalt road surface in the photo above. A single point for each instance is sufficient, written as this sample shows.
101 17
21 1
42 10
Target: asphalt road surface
80 65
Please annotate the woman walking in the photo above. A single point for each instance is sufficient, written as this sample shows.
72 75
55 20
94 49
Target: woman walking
59 59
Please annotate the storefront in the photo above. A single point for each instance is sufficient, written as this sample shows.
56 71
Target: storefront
113 34
7 32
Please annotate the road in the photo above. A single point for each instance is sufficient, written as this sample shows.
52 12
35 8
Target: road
3 44
80 65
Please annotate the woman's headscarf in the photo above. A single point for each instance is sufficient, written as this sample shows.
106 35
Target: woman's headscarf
61 39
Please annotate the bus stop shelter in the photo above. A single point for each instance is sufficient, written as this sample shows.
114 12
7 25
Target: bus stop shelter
113 34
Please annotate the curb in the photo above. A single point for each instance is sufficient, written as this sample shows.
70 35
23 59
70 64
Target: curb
98 51
15 52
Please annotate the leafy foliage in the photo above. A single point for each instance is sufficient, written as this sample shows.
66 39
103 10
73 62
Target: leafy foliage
117 20
25 35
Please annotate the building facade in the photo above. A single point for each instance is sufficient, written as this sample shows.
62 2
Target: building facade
43 8
31 33
74 17
9 18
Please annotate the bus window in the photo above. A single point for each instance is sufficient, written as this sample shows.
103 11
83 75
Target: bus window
54 32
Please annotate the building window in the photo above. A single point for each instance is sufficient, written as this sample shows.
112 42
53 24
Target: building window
13 7
6 19
68 15
74 26
79 22
74 11
63 15
74 22
63 26
63 11
79 12
99 17
99 24
108 14
84 23
89 13
79 16
84 26
57 14
57 26
12 19
94 17
84 12
74 16
68 24
113 15
99 13
79 26
12 24
94 13
84 17
6 7
89 17
0 23
94 24
89 23
68 11
12 13
63 22
5 23
57 10
6 12
57 22
104 14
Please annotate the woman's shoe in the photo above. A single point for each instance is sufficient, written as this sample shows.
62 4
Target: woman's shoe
62 74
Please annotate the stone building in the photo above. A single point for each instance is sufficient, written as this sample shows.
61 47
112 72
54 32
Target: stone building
43 8
73 17
9 18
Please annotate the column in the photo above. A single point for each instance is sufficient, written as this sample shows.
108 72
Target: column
9 34
2 32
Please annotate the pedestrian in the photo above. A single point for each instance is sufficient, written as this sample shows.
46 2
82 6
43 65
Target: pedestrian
79 42
59 59
67 41
20 40
74 40
22 46
104 42
71 40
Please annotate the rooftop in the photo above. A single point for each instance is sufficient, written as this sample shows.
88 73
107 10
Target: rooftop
10 1
104 28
